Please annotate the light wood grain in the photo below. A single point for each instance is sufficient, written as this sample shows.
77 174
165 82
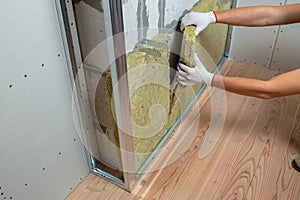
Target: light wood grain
251 158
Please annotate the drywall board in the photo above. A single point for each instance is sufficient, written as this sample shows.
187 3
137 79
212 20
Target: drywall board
91 31
90 24
77 74
41 154
143 18
254 45
108 152
287 49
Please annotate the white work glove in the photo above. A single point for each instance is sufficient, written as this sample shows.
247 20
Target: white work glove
188 76
201 20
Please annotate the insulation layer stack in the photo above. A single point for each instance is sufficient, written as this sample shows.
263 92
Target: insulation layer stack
154 104
188 46
148 79
148 83
182 95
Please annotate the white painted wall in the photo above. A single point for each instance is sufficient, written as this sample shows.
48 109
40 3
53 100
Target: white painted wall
41 155
275 47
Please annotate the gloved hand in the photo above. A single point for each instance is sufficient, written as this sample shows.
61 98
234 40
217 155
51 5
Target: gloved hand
201 20
193 76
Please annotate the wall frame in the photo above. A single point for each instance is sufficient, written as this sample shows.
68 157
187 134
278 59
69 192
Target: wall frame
120 56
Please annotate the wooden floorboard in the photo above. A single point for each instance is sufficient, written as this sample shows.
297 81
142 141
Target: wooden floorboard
250 159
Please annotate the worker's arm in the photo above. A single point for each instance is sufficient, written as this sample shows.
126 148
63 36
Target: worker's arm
246 16
260 15
281 85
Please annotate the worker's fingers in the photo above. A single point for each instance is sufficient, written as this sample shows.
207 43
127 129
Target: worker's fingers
184 68
182 81
197 31
181 72
184 84
181 78
185 21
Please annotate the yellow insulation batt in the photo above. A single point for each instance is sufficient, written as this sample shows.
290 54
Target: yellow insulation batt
188 46
153 105
148 83
209 45
214 37
181 95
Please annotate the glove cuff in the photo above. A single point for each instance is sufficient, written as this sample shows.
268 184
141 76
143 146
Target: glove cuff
212 80
209 79
213 17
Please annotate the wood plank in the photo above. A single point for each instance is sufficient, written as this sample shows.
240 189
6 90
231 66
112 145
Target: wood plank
270 159
173 175
289 179
222 164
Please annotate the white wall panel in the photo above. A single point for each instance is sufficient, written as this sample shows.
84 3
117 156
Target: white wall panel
254 45
287 49
90 25
40 152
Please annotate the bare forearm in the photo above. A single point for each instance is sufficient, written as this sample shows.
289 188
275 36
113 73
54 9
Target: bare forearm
281 85
243 86
260 15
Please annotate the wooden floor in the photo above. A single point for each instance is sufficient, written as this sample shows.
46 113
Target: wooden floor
251 158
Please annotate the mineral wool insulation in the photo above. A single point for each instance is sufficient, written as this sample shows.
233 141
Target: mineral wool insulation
150 95
154 108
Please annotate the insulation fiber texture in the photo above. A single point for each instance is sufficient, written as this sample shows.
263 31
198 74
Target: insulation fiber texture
188 46
148 80
155 105
213 38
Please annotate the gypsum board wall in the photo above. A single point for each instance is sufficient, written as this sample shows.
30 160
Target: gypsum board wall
109 158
